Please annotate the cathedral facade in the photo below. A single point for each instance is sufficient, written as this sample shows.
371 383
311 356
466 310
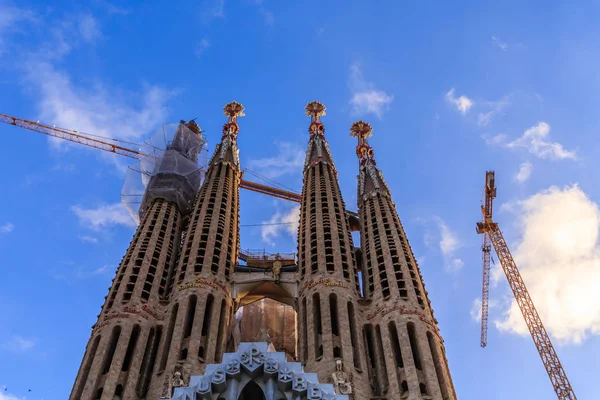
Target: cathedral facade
364 326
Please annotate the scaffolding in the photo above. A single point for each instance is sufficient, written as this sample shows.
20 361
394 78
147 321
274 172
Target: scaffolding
172 167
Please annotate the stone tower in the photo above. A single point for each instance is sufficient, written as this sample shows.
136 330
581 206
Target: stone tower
125 338
166 328
329 313
200 305
405 353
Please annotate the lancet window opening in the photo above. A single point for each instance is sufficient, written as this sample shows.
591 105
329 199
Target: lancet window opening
168 338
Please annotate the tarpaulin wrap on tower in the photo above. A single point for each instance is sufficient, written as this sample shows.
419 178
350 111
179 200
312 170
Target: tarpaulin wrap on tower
267 320
173 169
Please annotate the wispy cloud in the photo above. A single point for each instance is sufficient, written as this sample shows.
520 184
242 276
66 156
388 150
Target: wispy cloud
495 108
534 140
476 308
201 47
74 274
463 104
98 108
19 344
88 28
289 159
215 10
282 222
559 258
499 43
7 227
449 244
5 395
12 20
366 99
104 216
88 239
524 172
112 9
446 240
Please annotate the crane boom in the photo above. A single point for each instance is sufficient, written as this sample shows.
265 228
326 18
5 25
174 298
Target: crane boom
76 137
540 337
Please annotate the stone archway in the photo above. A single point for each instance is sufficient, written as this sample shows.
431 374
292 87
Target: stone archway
252 391
254 364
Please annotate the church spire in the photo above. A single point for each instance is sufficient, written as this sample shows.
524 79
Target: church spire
318 148
370 178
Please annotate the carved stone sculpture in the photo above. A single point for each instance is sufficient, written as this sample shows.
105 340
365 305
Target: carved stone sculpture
341 382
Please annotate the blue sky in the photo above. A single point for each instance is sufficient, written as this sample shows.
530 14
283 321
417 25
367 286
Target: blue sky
451 89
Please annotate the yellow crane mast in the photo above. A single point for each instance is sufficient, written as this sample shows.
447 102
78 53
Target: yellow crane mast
493 235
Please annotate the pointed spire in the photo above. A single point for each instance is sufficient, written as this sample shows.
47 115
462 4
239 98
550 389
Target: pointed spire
362 130
227 150
318 149
370 178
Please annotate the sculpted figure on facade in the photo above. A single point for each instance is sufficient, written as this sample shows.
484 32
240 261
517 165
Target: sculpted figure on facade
341 381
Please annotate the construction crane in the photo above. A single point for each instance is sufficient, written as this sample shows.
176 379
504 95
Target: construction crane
493 235
95 142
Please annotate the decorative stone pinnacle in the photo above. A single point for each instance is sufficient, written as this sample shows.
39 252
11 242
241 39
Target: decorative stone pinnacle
234 110
315 109
361 130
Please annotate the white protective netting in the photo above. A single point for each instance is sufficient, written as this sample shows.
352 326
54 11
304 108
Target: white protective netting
172 168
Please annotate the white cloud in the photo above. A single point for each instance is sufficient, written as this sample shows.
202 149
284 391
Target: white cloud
19 344
289 159
201 47
365 98
534 141
7 227
216 10
500 44
524 172
5 395
268 16
104 216
559 258
462 103
112 9
496 107
88 239
99 110
476 308
88 28
12 19
448 244
288 223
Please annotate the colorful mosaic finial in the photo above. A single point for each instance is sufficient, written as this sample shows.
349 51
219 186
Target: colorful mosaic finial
362 130
234 110
315 109
231 128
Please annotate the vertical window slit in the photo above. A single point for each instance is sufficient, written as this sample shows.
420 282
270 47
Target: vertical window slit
88 365
222 317
114 339
305 330
168 338
414 345
353 338
439 371
317 326
395 344
130 348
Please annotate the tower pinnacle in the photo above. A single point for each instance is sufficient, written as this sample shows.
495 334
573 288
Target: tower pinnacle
362 130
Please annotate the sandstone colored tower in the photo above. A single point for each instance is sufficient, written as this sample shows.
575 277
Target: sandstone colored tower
167 329
200 306
329 312
405 352
124 341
